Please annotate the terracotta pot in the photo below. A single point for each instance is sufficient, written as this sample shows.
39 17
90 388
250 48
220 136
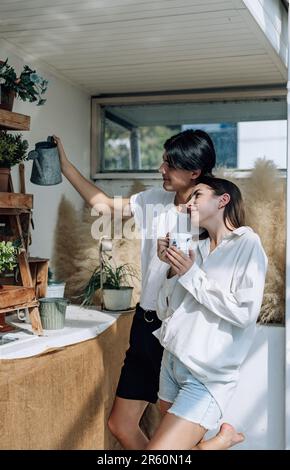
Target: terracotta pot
7 98
4 179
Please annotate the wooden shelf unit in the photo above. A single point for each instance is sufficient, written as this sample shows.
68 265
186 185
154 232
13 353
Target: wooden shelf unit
10 121
17 201
16 209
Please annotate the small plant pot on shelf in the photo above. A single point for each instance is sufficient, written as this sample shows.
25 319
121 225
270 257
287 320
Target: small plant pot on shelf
55 289
4 179
117 299
7 98
52 312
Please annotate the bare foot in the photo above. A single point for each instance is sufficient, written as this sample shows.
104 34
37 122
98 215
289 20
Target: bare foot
228 436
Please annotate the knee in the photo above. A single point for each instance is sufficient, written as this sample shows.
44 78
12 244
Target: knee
115 426
120 427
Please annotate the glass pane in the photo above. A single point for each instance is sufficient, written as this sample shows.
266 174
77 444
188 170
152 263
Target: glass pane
151 144
242 132
262 139
225 141
117 154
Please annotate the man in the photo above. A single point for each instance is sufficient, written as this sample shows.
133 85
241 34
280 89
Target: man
187 156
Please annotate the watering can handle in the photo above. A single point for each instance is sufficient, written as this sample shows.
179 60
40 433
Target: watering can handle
32 155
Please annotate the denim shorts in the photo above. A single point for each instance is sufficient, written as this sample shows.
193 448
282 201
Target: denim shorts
190 399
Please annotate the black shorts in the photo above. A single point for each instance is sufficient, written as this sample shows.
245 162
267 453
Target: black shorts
139 378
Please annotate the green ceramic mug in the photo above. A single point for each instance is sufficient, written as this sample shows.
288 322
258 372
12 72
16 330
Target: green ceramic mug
52 312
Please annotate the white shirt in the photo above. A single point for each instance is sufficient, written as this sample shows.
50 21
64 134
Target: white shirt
155 214
209 314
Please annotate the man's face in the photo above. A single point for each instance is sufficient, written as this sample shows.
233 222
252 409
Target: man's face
175 179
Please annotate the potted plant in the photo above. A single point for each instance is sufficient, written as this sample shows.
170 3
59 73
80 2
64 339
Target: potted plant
28 86
8 253
117 294
13 150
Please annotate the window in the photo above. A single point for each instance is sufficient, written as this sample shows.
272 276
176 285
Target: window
242 131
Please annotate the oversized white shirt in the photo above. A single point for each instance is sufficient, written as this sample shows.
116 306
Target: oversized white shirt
209 314
155 214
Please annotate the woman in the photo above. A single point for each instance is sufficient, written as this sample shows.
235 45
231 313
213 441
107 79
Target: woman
208 305
187 156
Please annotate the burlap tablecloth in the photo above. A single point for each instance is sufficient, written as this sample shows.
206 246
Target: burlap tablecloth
62 399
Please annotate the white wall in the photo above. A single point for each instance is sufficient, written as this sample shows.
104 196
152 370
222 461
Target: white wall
66 114
258 406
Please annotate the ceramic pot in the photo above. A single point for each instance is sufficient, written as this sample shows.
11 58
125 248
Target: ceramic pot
4 179
7 98
117 299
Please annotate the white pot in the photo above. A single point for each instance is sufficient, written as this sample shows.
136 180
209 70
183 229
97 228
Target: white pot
55 289
117 299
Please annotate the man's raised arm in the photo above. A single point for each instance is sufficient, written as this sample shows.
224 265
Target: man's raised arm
89 192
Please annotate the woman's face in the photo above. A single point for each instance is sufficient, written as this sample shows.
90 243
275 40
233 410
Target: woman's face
203 205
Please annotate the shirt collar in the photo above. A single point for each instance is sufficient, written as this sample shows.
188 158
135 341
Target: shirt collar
239 231
204 244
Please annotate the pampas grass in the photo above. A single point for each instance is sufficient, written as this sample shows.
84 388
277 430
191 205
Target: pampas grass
265 204
76 251
265 199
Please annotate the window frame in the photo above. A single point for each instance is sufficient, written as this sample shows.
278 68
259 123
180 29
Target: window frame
192 96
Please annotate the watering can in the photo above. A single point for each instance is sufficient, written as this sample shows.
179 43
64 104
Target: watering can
46 165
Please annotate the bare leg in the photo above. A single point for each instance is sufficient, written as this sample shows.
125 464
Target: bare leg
226 438
176 433
124 423
164 407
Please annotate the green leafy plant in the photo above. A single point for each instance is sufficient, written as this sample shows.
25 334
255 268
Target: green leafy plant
8 253
114 277
28 86
13 149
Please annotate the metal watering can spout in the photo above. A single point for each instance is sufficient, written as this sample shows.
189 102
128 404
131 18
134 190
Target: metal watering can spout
46 169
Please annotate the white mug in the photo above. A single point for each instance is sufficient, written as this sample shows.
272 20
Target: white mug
182 241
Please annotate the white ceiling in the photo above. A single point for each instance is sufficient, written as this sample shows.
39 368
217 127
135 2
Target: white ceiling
123 46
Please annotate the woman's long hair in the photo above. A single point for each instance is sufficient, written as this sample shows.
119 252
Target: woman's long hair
191 150
234 213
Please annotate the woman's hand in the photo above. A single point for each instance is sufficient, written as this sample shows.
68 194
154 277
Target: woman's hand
179 262
162 245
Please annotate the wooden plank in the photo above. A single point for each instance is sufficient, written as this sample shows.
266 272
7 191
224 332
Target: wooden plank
25 220
39 274
24 269
101 26
35 321
13 308
114 11
44 22
35 259
14 121
207 50
14 211
16 201
12 296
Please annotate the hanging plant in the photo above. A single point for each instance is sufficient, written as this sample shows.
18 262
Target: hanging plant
28 86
